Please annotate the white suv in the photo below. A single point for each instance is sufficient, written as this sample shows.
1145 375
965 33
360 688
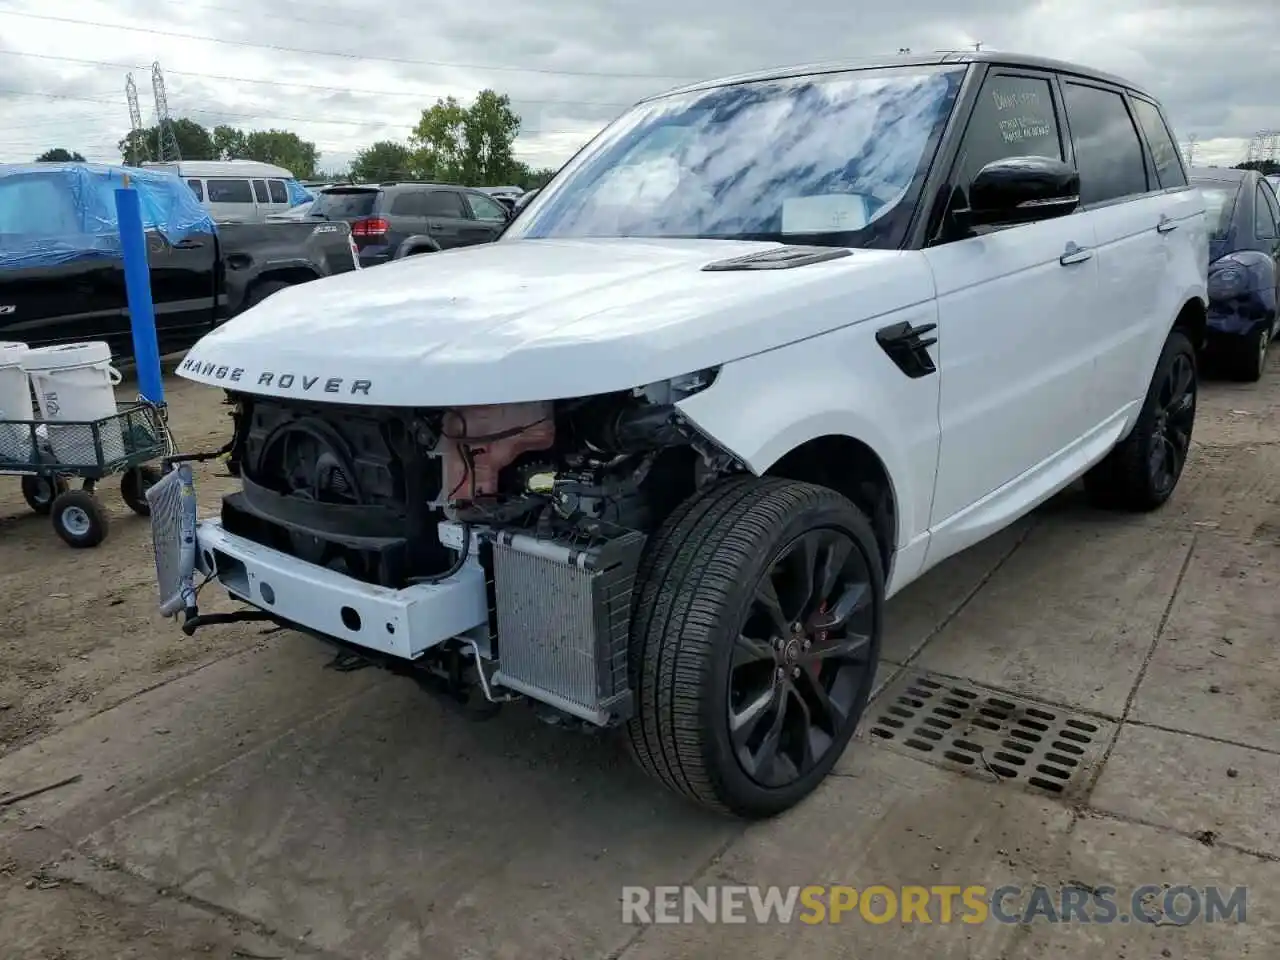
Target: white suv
761 354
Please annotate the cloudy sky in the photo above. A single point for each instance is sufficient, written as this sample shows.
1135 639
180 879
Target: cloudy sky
344 74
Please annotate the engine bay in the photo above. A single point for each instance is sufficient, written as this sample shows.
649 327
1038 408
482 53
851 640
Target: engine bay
362 490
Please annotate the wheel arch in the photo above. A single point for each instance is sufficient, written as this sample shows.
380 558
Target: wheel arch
836 448
1193 320
290 275
853 469
414 244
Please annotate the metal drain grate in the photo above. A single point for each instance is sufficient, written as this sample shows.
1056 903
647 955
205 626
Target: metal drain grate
988 734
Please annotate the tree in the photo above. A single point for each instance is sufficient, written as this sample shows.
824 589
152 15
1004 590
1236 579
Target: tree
279 147
228 143
472 145
1268 168
284 149
536 178
59 155
384 160
194 141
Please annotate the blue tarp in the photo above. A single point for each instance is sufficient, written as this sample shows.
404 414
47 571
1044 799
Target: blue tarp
298 194
53 213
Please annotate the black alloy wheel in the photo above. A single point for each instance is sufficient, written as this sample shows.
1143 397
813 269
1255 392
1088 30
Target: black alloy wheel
801 659
1142 470
755 636
1175 414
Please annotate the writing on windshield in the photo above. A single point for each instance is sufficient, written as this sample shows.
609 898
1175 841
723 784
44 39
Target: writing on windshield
834 158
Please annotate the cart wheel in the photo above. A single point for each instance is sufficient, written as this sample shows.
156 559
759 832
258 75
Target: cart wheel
78 518
134 485
39 492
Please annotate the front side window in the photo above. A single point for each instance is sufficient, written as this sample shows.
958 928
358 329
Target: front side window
482 208
1014 117
1163 148
835 159
1264 224
1270 196
197 188
38 206
1108 151
1219 205
229 191
278 192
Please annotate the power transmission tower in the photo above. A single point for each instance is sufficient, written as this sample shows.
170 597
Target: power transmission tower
166 139
1190 152
137 142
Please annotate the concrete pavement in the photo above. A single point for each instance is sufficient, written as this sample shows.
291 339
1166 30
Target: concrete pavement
264 805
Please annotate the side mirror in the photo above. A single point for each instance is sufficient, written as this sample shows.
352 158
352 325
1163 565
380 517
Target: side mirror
1022 190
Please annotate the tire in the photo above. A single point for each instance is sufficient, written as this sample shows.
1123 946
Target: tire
263 289
1128 479
694 608
134 485
78 518
40 492
1249 361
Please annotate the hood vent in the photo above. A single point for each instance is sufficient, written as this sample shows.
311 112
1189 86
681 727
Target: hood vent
781 258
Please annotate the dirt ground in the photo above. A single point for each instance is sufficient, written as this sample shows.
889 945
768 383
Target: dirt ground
79 633
235 799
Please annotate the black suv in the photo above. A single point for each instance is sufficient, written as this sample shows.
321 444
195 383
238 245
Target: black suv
393 220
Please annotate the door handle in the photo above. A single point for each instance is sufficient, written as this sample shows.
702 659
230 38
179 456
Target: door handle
1074 254
1166 225
188 245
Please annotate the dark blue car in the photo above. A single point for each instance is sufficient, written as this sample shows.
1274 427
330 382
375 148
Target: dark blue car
1244 251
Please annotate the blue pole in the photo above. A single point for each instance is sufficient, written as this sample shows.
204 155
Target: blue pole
137 282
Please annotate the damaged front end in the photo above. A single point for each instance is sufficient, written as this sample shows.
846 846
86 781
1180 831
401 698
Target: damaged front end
491 550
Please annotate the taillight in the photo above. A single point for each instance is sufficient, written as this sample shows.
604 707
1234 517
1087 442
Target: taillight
370 227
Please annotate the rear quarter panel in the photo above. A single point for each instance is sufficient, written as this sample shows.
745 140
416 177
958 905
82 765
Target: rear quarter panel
296 251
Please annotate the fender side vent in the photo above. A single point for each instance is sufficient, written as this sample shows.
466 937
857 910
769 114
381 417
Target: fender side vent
782 258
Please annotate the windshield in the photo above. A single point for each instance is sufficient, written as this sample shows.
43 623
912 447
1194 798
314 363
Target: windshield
338 204
835 159
1219 205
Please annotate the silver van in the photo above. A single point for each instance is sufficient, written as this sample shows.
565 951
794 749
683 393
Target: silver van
239 190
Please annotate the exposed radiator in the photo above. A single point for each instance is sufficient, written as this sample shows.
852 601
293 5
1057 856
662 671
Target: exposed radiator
172 499
563 615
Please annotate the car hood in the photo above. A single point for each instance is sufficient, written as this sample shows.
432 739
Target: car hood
527 320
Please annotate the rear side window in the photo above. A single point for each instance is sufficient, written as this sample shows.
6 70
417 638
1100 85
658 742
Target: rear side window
443 203
229 191
278 192
1108 151
1264 222
197 188
408 205
260 191
1164 150
1014 117
341 204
